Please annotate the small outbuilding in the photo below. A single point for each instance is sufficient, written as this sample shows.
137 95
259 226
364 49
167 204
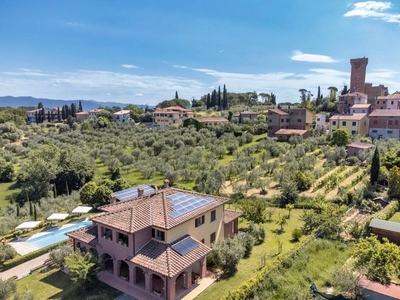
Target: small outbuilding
284 135
386 229
355 147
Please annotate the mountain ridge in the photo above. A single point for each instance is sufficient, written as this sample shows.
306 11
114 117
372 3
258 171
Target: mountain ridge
50 103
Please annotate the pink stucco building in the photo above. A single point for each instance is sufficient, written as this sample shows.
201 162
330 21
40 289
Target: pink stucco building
155 242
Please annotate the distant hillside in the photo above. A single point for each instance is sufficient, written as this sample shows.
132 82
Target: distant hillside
31 101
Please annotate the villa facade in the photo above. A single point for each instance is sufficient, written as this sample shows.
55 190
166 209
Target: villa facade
156 242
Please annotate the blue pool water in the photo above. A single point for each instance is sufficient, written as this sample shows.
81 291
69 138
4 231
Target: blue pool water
56 236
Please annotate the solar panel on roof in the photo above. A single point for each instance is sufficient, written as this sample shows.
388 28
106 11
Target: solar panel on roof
185 246
183 203
132 192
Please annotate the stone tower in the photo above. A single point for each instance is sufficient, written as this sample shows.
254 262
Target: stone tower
358 72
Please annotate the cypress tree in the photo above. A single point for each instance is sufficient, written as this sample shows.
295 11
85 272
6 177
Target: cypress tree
30 208
58 114
317 101
17 210
42 115
176 95
48 116
34 212
224 98
219 98
63 113
73 110
80 106
375 166
36 117
208 103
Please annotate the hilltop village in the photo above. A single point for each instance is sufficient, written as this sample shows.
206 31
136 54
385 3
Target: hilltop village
230 196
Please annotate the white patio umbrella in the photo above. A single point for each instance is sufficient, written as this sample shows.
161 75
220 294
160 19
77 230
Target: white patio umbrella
28 225
81 210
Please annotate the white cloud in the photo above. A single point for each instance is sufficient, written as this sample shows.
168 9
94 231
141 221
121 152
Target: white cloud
72 24
179 66
317 58
129 66
373 9
99 85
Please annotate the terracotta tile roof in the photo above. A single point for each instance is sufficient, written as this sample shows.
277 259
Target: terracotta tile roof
361 105
391 290
385 113
164 260
211 119
247 112
291 131
348 117
85 234
82 113
360 145
355 94
151 210
172 109
395 95
122 112
278 111
230 215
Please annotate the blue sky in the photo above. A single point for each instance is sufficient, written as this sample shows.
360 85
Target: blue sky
141 52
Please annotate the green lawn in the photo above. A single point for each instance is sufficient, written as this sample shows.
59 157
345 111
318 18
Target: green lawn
247 268
54 284
6 190
395 218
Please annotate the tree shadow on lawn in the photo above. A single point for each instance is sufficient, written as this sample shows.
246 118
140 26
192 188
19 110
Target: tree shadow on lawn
278 231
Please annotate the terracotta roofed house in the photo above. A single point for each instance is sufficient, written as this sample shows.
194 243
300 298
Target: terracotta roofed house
284 135
157 241
122 116
360 109
387 229
170 116
81 116
211 120
355 147
346 101
384 123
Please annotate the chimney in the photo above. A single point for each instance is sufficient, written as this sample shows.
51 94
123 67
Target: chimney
166 183
113 198
140 191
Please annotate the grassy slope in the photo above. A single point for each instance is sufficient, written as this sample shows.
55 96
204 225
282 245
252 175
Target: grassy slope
395 218
248 267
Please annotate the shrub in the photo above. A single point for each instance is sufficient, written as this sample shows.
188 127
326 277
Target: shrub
297 233
248 243
7 288
59 254
7 252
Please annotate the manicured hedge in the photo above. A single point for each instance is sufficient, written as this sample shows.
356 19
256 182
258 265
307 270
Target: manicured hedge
388 211
24 258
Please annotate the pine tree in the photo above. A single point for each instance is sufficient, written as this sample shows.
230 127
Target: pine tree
375 166
80 106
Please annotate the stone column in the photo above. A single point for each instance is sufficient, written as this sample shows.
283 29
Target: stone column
116 267
148 278
203 267
188 280
132 275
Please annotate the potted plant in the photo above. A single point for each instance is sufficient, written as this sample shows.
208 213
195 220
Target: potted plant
195 278
157 292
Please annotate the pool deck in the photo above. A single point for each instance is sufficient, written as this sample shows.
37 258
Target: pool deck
22 246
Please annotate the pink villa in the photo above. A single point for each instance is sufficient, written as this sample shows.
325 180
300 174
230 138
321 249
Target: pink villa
154 242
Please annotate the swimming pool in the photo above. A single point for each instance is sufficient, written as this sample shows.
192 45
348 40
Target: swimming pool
56 236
